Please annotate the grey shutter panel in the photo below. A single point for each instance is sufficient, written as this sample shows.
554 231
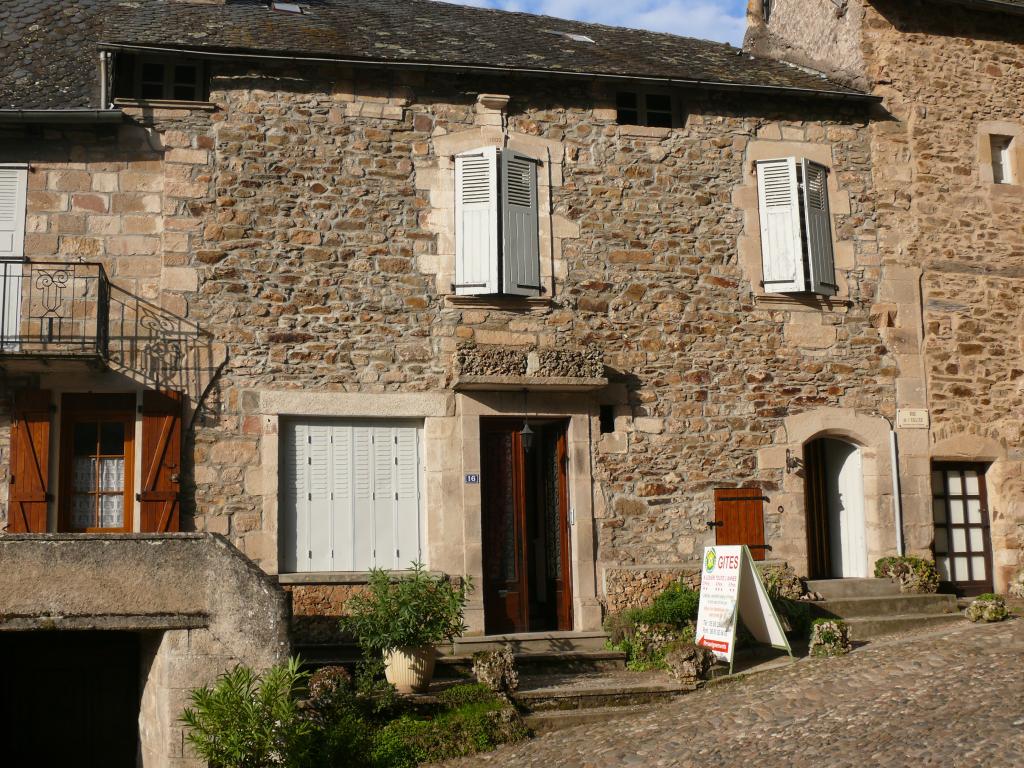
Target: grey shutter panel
820 254
520 225
778 199
293 525
319 507
13 190
407 494
476 222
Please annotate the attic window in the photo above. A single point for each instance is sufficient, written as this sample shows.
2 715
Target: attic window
160 79
649 109
285 7
574 36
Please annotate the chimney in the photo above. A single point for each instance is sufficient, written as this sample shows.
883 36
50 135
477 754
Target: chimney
757 28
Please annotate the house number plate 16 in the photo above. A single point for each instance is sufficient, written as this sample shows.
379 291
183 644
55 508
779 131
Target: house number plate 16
472 479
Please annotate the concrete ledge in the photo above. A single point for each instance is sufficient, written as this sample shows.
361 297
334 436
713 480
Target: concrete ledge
159 622
337 577
533 383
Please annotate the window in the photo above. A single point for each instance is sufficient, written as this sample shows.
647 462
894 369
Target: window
97 457
159 79
1002 159
796 227
497 225
767 10
607 419
350 495
649 109
13 190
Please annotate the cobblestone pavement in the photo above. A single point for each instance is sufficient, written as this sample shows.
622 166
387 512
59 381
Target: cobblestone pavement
951 697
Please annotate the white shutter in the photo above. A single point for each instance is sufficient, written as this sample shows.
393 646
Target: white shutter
819 229
384 498
520 225
293 527
476 222
407 495
320 508
13 189
778 200
362 498
342 556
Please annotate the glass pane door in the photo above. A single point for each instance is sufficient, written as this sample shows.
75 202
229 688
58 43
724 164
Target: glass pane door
99 458
960 512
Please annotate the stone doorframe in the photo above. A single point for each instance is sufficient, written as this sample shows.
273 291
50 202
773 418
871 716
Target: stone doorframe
1004 481
462 550
871 435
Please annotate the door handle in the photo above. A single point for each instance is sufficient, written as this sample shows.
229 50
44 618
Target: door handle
715 524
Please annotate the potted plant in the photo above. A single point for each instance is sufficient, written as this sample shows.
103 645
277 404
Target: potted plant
403 618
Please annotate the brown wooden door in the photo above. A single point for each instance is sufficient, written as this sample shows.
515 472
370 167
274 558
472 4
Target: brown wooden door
739 519
29 490
506 586
161 462
819 550
963 550
525 516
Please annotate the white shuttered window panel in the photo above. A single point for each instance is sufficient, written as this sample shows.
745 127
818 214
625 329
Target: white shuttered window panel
520 225
818 219
13 190
476 222
779 209
350 495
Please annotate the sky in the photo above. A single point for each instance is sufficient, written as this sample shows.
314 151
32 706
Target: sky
721 20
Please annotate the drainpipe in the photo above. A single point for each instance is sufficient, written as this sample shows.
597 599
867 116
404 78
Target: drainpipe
897 503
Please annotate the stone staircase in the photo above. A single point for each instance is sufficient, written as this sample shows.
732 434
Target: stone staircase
875 607
536 653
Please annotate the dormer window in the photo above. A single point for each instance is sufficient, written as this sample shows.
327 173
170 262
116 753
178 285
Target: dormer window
160 79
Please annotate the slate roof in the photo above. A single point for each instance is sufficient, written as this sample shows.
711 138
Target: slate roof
48 47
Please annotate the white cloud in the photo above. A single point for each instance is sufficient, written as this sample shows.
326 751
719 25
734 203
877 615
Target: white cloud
709 19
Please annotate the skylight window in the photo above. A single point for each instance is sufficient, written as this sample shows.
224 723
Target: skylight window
571 36
285 7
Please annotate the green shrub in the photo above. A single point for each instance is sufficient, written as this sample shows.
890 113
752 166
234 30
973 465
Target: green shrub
987 607
643 633
784 589
411 611
467 730
914 574
676 606
466 693
248 720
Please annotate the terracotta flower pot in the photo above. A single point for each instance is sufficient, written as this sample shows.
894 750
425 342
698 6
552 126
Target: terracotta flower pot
410 670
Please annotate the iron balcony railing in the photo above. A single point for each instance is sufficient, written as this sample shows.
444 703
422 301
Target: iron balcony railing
60 310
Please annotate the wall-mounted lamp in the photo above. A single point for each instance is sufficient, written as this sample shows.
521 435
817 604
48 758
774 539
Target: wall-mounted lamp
792 462
527 433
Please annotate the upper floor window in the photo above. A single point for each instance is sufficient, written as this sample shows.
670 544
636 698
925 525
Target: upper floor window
796 227
649 109
160 79
497 226
1002 159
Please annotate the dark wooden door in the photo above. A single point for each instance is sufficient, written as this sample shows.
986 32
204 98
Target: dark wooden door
506 585
963 549
819 549
525 520
739 519
69 699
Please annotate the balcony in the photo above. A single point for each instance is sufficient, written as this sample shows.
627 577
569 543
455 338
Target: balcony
66 316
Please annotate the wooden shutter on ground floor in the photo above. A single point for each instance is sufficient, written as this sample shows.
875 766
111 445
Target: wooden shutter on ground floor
29 465
161 462
739 519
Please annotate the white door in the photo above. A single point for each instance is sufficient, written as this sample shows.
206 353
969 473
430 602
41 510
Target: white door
13 190
847 535
350 495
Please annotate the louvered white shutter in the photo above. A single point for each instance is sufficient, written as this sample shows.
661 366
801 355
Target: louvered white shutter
319 507
779 210
520 225
819 229
13 189
476 222
407 495
362 493
341 495
384 498
293 526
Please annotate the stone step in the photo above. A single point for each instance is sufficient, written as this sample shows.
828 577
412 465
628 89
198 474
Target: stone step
571 662
890 605
870 627
558 719
528 642
835 589
561 692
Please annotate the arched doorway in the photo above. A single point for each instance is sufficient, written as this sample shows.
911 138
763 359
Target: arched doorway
836 531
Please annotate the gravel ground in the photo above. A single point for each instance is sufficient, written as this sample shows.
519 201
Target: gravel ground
950 697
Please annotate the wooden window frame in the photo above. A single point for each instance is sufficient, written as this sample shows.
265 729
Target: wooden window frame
641 110
133 79
79 408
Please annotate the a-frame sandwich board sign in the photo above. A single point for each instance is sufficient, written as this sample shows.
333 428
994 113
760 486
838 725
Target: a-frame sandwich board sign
731 589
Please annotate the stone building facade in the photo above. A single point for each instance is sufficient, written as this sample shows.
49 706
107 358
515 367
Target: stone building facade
946 227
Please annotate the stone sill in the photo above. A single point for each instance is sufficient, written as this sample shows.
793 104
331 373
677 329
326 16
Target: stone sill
337 577
532 383
807 301
203 106
501 303
105 622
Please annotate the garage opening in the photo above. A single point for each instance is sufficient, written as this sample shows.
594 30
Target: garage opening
70 698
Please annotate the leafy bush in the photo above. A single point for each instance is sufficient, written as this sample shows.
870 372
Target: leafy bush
830 637
676 606
643 633
465 693
987 607
914 574
248 720
412 611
